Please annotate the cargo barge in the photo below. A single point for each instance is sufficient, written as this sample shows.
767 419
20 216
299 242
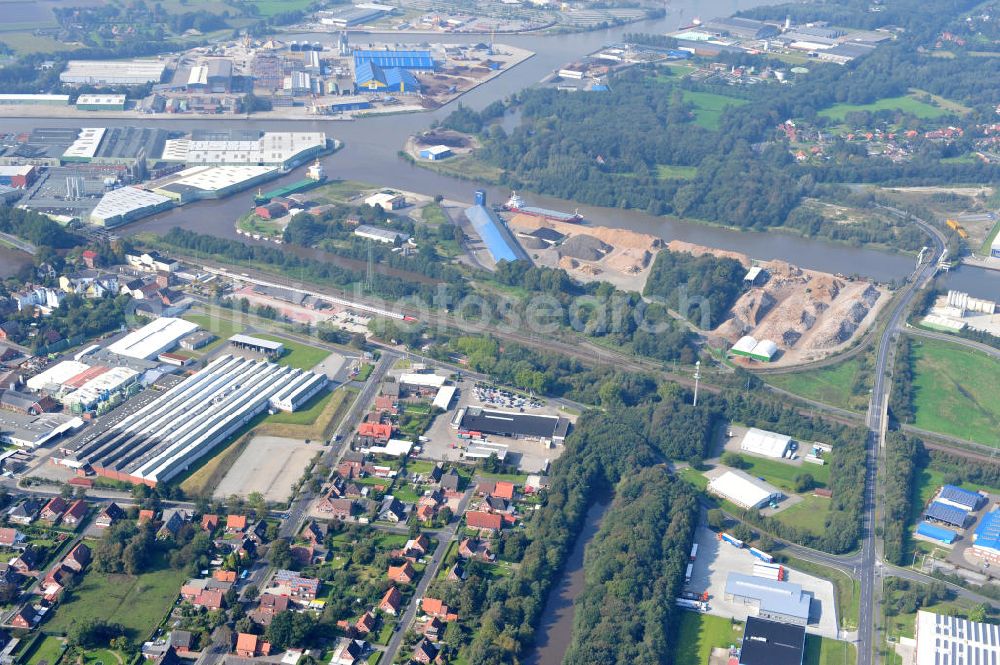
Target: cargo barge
516 204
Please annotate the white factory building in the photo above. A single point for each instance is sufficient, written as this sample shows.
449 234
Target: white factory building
120 206
743 489
948 640
100 387
377 234
767 444
113 72
282 149
210 182
164 438
53 378
152 339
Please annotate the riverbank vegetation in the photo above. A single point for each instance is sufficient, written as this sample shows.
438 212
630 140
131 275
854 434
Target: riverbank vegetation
702 288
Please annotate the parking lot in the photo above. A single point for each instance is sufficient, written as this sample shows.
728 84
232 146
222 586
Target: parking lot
269 465
717 559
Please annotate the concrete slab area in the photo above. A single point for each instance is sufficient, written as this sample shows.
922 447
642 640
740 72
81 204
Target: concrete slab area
717 559
269 465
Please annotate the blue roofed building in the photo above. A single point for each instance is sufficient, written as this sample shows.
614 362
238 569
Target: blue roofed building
945 514
934 532
370 77
495 234
986 539
392 58
960 498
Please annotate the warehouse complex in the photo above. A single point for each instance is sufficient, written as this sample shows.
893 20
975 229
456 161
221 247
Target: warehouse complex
949 640
743 489
749 347
126 204
767 444
113 72
285 150
986 539
499 241
773 599
211 182
166 436
151 340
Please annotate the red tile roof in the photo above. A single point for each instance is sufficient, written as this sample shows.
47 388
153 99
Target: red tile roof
479 520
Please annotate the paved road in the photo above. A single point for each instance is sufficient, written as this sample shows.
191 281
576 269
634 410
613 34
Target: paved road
445 537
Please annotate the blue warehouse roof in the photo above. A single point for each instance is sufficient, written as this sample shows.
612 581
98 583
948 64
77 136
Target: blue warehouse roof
942 512
988 533
962 497
393 79
499 241
936 532
406 59
401 79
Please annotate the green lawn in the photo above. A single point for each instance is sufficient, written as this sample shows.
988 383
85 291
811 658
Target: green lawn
47 652
672 172
783 475
830 385
904 103
139 603
298 355
222 327
698 634
102 657
824 651
954 391
695 477
433 214
341 190
808 514
708 107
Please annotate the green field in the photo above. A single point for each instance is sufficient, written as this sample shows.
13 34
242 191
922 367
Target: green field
830 385
297 354
671 172
47 651
782 475
824 651
953 391
307 414
808 514
139 603
698 634
708 107
466 167
905 103
341 190
223 327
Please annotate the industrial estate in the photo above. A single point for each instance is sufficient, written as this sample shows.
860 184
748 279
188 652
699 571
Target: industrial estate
425 333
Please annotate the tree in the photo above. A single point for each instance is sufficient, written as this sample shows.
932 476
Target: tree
734 460
257 503
804 482
280 553
716 519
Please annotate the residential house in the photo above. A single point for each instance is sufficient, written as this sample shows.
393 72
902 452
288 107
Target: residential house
348 651
485 522
351 464
391 510
391 601
434 607
10 331
210 599
456 573
221 575
425 652
25 512
11 538
450 480
89 258
25 617
249 645
53 510
475 548
236 524
182 642
374 434
415 548
366 623
270 605
314 533
26 562
435 474
78 558
296 585
337 508
403 574
209 523
75 514
432 629
535 483
111 514
257 532
501 489
494 504
173 520
55 582
426 512
152 261
146 515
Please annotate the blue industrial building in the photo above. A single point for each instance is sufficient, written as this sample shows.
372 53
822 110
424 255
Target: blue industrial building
942 512
960 498
495 234
386 59
986 541
370 77
938 533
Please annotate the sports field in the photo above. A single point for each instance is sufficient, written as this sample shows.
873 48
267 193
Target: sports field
904 103
955 391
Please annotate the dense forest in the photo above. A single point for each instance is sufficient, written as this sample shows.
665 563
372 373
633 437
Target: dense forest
901 405
707 285
634 565
36 228
897 476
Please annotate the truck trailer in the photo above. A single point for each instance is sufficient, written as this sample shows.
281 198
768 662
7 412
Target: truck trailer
763 556
731 539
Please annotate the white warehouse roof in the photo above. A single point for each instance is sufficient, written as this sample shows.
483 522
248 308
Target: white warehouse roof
126 72
743 489
121 203
215 178
444 396
422 380
153 339
57 374
762 442
86 144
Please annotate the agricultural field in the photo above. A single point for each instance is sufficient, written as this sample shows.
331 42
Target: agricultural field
833 385
708 107
954 391
698 634
905 103
139 603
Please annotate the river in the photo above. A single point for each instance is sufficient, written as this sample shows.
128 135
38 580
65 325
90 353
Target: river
371 146
553 635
